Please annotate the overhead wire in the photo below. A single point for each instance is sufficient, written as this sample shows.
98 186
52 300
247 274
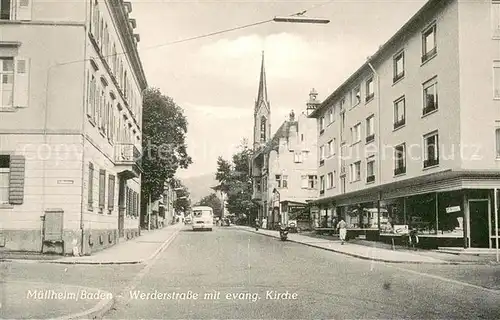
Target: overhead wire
300 13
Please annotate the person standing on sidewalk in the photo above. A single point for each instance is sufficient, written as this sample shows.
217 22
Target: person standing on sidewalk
342 226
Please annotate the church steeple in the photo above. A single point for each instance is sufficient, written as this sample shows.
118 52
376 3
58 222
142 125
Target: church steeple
262 111
262 94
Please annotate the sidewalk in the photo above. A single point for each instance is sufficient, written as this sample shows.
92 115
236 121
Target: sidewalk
28 300
137 250
363 251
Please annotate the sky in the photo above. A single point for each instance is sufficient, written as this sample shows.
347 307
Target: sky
215 79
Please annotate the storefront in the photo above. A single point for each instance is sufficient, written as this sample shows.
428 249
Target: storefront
446 210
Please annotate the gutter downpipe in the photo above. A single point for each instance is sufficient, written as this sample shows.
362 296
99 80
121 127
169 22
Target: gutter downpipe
379 144
85 91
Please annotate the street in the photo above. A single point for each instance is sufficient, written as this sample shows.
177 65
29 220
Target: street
232 273
244 271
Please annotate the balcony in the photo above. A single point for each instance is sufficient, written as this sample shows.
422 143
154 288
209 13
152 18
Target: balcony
429 55
370 179
429 108
128 160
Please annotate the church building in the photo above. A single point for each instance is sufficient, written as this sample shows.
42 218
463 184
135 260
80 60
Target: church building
284 165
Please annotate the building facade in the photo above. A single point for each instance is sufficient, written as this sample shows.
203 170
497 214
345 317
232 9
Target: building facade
70 125
412 138
283 165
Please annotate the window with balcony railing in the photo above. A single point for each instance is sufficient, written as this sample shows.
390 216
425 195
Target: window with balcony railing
400 159
430 96
399 66
429 47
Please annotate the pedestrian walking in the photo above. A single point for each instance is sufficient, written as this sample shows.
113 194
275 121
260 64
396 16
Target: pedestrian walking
342 226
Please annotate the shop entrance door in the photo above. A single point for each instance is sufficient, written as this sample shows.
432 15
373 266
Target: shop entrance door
479 229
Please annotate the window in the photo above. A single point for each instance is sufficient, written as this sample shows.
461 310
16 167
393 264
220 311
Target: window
5 6
330 115
431 156
355 171
399 112
7 82
399 66
342 126
370 93
90 188
297 157
429 48
321 124
370 128
370 169
278 181
285 181
496 79
102 189
331 181
399 159
4 178
322 151
430 96
495 18
497 142
301 137
263 127
356 133
331 147
309 181
322 184
356 96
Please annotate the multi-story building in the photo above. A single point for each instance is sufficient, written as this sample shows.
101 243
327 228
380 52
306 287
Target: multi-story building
416 130
283 165
70 125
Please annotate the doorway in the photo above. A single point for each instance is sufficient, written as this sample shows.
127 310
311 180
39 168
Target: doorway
479 227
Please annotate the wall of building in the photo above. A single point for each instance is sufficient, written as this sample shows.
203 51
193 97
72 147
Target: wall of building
52 180
60 87
479 111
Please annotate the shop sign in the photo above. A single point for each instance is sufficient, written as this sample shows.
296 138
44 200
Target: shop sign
401 229
452 209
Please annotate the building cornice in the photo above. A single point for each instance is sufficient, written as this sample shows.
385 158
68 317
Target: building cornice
118 10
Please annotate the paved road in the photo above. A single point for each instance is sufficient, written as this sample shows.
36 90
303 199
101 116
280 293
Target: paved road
246 270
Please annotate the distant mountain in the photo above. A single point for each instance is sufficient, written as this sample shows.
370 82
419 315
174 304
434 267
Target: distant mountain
200 186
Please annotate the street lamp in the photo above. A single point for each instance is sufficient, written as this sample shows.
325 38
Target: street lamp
300 19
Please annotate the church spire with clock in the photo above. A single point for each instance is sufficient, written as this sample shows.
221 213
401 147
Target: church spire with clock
262 112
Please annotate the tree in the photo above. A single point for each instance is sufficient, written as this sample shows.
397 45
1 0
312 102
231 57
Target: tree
164 146
236 181
214 202
183 202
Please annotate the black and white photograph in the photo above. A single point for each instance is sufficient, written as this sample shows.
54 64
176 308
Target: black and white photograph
250 159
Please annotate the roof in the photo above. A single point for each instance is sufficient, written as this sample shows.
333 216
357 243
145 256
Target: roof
416 18
283 132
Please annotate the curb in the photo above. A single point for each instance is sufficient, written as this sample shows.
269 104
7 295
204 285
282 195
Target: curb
130 262
374 259
97 311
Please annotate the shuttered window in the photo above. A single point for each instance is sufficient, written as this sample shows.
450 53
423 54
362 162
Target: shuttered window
4 178
102 188
111 193
90 195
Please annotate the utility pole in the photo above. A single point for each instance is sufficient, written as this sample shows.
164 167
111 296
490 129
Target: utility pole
149 212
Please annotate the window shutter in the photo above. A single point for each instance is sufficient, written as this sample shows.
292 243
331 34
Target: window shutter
90 197
111 192
102 187
24 10
16 179
304 181
21 82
